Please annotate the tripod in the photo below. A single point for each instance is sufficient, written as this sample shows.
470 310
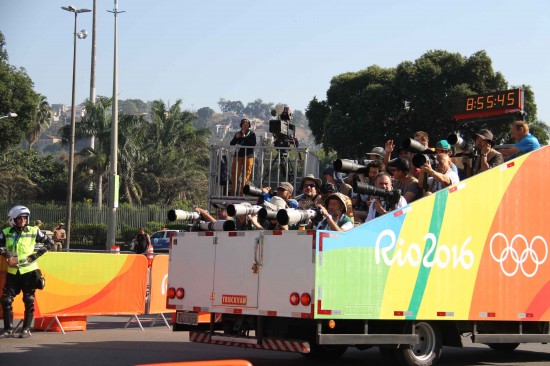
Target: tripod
281 159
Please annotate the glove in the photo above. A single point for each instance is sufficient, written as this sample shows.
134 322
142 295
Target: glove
32 258
42 250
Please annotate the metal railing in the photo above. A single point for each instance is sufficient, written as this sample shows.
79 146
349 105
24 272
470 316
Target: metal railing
271 165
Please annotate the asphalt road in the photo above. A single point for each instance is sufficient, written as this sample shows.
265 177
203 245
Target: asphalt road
106 342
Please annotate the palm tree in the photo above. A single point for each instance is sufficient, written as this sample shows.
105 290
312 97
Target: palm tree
42 120
96 122
177 154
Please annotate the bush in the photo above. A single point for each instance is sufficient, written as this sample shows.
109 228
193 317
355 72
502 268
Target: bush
89 234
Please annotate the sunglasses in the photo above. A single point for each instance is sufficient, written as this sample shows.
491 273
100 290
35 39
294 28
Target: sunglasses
309 185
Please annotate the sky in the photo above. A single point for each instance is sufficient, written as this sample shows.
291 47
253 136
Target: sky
281 52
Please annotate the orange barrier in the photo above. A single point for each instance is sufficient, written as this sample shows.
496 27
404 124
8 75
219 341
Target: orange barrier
159 285
203 363
83 284
68 323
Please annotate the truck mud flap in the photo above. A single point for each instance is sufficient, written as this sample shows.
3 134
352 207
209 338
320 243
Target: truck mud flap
250 342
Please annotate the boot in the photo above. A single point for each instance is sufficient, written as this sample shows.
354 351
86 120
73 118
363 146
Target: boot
27 321
8 324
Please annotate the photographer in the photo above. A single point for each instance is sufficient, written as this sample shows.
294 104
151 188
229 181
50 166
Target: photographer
441 177
284 190
221 213
334 215
244 158
404 180
488 158
380 206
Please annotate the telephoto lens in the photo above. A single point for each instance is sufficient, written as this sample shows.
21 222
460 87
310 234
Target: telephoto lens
180 215
244 208
220 225
291 216
252 191
348 166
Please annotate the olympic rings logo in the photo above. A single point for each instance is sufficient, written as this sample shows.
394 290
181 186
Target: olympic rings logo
512 252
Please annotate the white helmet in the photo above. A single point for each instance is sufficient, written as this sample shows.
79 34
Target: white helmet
17 211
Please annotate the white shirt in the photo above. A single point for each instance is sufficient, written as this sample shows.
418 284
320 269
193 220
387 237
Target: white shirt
372 211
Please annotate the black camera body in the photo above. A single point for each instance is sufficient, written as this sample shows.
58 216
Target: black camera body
391 196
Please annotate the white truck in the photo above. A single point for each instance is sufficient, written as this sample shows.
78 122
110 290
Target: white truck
471 260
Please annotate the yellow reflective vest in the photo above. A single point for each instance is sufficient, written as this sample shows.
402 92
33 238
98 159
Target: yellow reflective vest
21 244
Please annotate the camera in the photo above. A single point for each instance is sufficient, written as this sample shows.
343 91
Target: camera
460 144
349 166
422 153
327 188
180 215
220 225
283 131
391 197
244 208
252 191
420 159
291 216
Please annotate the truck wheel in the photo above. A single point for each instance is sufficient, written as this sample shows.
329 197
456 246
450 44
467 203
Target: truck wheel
503 347
325 352
426 352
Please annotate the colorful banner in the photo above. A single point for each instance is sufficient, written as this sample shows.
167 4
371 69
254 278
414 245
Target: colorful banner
159 285
475 251
89 284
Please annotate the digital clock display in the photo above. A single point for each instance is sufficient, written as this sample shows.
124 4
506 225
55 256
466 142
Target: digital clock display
488 104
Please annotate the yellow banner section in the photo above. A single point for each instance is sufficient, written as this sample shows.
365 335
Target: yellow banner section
81 284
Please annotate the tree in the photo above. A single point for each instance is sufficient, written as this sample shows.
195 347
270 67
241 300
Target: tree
231 106
203 117
258 109
96 122
16 95
176 156
364 109
41 122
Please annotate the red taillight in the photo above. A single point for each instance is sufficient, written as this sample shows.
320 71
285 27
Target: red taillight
171 293
305 299
180 293
294 298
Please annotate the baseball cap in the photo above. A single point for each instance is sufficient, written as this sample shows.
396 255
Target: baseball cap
400 163
219 205
38 222
443 144
286 186
378 151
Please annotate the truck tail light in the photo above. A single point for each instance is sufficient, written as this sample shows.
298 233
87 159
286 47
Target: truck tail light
305 299
180 293
294 298
171 293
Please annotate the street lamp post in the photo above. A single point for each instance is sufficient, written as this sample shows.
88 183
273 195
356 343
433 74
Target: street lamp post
113 176
81 35
9 115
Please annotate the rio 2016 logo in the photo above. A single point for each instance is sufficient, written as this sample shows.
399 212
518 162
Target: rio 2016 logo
441 255
520 252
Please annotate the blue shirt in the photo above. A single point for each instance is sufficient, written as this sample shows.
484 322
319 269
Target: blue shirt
527 144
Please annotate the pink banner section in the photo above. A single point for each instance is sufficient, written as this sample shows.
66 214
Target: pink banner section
83 284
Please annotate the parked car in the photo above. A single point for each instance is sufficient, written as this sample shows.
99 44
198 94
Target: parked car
161 240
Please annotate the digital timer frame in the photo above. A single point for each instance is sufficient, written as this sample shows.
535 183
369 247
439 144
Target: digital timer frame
488 105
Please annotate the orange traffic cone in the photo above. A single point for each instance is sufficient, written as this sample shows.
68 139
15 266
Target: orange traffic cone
115 249
150 255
